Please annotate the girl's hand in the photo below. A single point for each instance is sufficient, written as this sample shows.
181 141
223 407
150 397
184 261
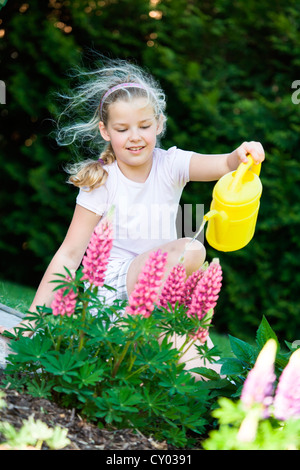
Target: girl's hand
254 148
12 330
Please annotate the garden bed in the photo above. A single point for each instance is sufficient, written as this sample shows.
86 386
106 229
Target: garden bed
83 435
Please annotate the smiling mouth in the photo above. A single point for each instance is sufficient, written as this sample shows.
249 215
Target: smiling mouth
135 149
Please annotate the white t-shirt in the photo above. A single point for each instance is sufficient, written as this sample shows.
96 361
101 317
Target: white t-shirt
145 213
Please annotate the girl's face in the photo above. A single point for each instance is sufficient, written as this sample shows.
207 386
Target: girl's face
132 129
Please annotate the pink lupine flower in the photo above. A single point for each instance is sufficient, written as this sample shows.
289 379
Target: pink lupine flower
64 303
207 290
248 429
174 287
190 285
259 384
145 293
97 254
287 397
200 335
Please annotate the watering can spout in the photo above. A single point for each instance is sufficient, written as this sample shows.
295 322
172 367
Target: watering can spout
221 223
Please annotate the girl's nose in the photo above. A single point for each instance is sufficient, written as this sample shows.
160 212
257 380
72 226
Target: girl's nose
134 134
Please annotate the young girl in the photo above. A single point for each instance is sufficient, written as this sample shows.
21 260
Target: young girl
143 182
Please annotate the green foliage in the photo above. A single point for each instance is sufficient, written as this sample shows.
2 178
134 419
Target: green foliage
226 69
123 371
250 428
31 435
237 366
2 3
116 370
269 434
241 427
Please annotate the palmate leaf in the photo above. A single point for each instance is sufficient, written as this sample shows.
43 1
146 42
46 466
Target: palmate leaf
155 402
31 349
88 376
195 420
40 388
156 359
181 383
116 404
103 331
63 365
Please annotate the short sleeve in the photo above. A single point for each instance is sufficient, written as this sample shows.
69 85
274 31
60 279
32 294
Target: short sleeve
95 200
178 166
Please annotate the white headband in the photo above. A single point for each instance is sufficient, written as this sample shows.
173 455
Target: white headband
119 87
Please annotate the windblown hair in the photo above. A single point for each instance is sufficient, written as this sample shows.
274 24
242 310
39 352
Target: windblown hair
83 116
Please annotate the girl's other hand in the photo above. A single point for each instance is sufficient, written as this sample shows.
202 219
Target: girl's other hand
12 330
255 149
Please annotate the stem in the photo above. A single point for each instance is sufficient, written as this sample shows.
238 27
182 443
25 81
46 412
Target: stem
81 336
117 364
185 343
141 369
189 346
59 339
131 361
39 444
51 336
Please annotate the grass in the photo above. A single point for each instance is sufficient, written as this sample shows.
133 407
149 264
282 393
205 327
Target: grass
20 298
16 296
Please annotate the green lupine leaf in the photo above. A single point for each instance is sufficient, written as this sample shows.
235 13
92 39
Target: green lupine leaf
232 366
30 349
264 333
242 350
155 401
87 375
63 365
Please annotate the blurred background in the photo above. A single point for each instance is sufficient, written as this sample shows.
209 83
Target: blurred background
229 70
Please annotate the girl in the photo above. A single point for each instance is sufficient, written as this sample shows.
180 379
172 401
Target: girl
143 182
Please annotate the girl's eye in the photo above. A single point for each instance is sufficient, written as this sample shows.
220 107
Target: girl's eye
142 127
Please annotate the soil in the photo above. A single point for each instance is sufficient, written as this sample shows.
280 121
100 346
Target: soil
82 435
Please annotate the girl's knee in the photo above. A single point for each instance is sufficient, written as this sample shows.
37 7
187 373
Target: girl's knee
193 254
194 257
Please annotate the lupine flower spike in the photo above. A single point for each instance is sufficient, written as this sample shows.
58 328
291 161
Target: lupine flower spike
287 397
207 290
259 384
174 287
145 293
64 303
258 389
200 335
96 258
190 285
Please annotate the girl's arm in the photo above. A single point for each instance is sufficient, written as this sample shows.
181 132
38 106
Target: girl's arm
68 255
213 167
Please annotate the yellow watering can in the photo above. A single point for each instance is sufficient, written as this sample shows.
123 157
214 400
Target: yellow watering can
234 208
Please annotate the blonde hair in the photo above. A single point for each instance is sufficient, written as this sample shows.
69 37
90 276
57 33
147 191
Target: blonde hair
83 116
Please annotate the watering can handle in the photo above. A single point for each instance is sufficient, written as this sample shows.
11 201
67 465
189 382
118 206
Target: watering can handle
241 171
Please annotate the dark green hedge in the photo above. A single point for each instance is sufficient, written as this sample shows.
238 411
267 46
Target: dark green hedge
227 68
